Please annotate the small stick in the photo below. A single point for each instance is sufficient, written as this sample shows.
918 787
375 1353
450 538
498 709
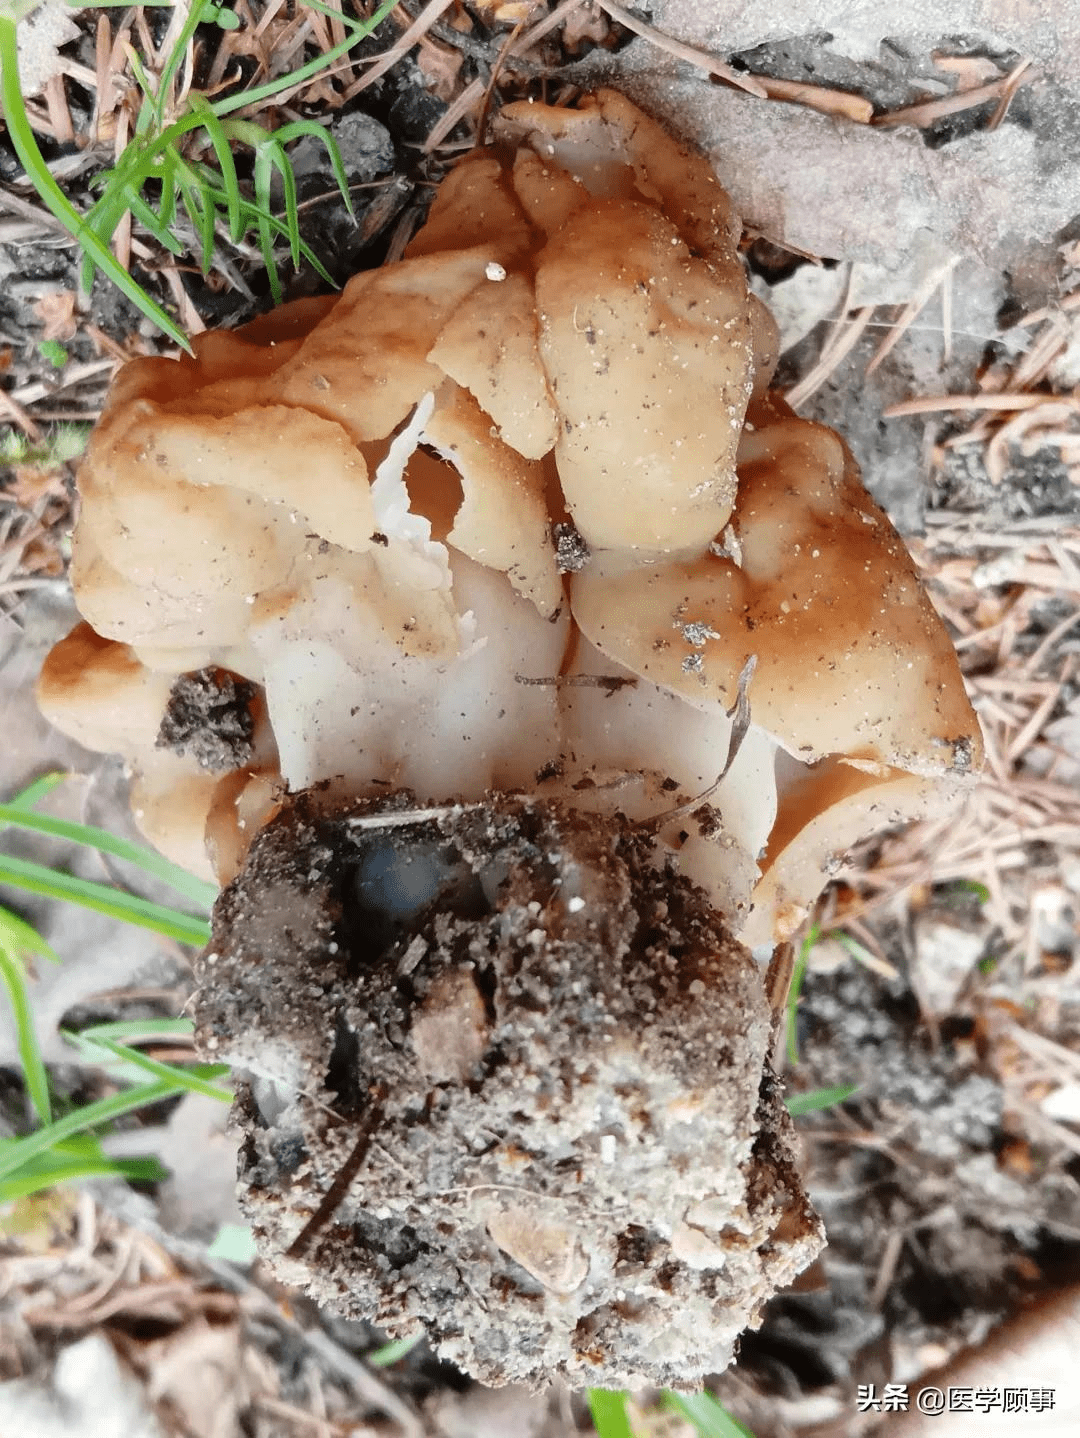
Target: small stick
740 712
544 27
1013 80
24 421
838 103
342 1181
407 818
830 358
911 310
928 111
932 403
59 114
401 46
505 51
611 682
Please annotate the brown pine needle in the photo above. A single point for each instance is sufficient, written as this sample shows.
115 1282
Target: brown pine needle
838 103
932 404
844 340
401 46
927 111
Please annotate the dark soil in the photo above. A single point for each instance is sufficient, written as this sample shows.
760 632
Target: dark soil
545 1010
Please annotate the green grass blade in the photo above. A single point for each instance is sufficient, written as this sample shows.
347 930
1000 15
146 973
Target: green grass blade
144 213
819 1098
135 1170
317 265
23 938
175 59
264 220
87 271
797 976
104 216
357 32
196 891
77 1157
608 1410
280 162
708 1418
202 214
230 184
54 199
34 1075
391 1352
38 790
167 202
136 1030
142 79
15 1153
294 131
104 899
185 1079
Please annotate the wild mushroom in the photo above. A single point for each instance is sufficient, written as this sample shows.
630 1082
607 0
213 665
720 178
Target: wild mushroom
543 654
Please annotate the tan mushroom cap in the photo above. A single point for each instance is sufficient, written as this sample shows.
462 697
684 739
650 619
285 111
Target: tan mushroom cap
98 692
503 519
220 541
490 346
171 799
285 455
146 615
366 366
607 133
338 501
819 821
851 657
242 803
549 196
651 365
475 206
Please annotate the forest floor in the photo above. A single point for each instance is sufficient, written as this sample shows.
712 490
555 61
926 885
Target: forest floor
945 977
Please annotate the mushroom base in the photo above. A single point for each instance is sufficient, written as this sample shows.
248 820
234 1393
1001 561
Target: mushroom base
505 1076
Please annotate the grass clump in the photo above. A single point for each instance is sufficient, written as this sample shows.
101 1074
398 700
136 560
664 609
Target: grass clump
178 165
67 1146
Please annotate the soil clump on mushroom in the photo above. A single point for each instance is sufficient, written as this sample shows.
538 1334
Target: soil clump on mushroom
508 1081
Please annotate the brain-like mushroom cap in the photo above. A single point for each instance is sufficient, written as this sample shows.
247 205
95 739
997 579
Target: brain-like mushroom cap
362 505
817 585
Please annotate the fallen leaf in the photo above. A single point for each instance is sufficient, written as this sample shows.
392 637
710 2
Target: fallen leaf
440 66
57 311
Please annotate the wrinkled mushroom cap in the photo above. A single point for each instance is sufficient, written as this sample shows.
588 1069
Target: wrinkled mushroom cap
493 518
851 657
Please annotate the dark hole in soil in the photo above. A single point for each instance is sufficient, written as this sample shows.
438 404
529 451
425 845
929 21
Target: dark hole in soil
389 885
397 1242
343 1070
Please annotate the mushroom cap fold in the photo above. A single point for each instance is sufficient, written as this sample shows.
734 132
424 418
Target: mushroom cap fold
851 657
651 365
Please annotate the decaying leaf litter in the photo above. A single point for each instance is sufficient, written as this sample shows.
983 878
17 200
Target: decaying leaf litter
1001 558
